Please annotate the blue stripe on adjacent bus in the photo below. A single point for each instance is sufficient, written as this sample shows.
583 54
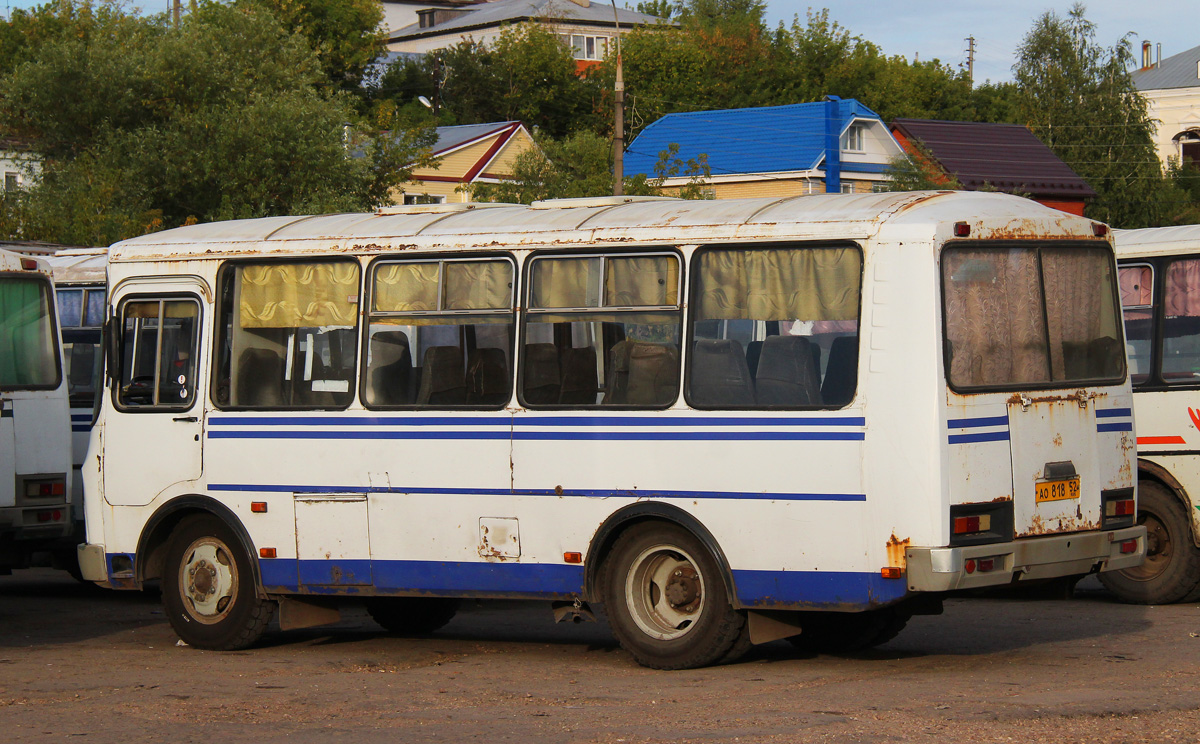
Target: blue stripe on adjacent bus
975 423
1113 412
987 436
504 420
1123 426
615 436
754 588
585 493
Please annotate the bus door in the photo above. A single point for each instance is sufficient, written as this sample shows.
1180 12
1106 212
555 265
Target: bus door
152 439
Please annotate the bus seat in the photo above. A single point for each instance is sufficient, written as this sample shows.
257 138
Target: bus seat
443 382
753 352
653 374
540 380
260 379
616 378
719 375
579 382
391 369
841 374
786 376
487 377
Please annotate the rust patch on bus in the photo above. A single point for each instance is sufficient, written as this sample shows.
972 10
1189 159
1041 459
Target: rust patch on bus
1055 525
896 549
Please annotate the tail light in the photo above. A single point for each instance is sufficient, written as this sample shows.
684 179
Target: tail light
978 524
1120 509
44 489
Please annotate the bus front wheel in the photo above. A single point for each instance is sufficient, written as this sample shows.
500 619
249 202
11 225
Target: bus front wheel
666 600
1171 572
208 588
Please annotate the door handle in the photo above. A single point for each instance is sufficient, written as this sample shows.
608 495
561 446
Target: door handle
188 419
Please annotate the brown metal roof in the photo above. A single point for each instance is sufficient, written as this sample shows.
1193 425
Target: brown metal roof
1008 157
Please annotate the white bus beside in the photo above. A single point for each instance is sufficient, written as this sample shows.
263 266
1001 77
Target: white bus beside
35 453
80 285
1159 274
727 421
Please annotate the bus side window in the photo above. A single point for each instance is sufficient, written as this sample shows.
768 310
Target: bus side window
602 331
287 335
158 349
1137 304
775 328
439 334
1181 326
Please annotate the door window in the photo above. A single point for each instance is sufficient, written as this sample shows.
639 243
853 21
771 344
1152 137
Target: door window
158 349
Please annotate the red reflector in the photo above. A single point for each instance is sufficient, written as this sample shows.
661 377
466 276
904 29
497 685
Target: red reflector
970 567
58 488
573 557
258 507
28 264
266 552
57 515
1129 546
1125 508
44 516
986 564
1099 230
966 524
891 572
961 229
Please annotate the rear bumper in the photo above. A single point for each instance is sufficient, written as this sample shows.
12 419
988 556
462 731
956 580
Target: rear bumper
945 569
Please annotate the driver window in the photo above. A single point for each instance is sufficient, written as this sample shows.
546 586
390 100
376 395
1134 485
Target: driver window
158 354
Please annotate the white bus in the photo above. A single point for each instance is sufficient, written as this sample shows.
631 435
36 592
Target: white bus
1159 274
80 286
727 421
35 454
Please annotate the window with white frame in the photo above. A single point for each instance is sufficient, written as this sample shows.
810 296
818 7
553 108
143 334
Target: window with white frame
852 139
586 47
847 187
12 181
411 199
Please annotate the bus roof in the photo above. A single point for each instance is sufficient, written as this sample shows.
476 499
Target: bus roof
10 261
605 220
1154 241
79 266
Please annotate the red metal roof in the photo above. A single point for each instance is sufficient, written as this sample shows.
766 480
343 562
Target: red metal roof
1008 157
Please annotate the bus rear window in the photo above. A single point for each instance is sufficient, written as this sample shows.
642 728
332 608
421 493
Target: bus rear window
27 339
1030 316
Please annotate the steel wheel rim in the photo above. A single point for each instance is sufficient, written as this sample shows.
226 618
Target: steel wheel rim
1159 550
208 580
665 592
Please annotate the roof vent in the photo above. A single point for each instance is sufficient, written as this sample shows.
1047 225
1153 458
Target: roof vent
597 201
439 208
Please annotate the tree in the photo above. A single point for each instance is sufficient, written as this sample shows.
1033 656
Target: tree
1078 97
144 127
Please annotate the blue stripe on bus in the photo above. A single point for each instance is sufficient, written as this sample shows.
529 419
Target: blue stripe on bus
754 588
586 493
84 417
975 423
1113 412
624 436
989 436
81 428
506 420
1121 426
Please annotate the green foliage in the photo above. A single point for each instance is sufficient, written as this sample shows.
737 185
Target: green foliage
918 173
228 116
1078 97
664 9
345 34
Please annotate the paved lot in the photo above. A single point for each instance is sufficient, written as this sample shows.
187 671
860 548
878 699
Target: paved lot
83 664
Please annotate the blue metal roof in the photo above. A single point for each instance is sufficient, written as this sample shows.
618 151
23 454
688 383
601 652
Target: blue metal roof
769 139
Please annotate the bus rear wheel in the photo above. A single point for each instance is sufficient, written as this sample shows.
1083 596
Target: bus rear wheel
412 615
208 588
666 600
1171 572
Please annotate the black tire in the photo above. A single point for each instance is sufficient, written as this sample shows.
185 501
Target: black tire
1171 572
666 600
848 632
208 587
412 615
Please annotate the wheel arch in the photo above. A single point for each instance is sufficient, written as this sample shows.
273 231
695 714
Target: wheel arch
648 511
155 538
1153 471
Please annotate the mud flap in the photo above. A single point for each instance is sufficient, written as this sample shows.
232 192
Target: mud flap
771 625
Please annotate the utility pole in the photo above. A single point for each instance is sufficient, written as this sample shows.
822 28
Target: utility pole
177 12
437 83
618 117
971 59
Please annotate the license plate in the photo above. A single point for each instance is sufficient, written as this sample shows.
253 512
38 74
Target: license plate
1059 490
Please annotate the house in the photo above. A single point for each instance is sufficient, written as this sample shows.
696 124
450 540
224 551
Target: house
803 148
19 164
472 153
1004 157
400 13
1172 88
587 27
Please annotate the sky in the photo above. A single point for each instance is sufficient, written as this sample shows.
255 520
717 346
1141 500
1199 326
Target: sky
928 29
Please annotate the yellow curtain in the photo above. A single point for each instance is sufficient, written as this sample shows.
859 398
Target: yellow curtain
565 282
299 295
641 281
406 287
780 284
478 285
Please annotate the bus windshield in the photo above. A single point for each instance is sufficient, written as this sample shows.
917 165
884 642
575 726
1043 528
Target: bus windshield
1043 316
27 342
